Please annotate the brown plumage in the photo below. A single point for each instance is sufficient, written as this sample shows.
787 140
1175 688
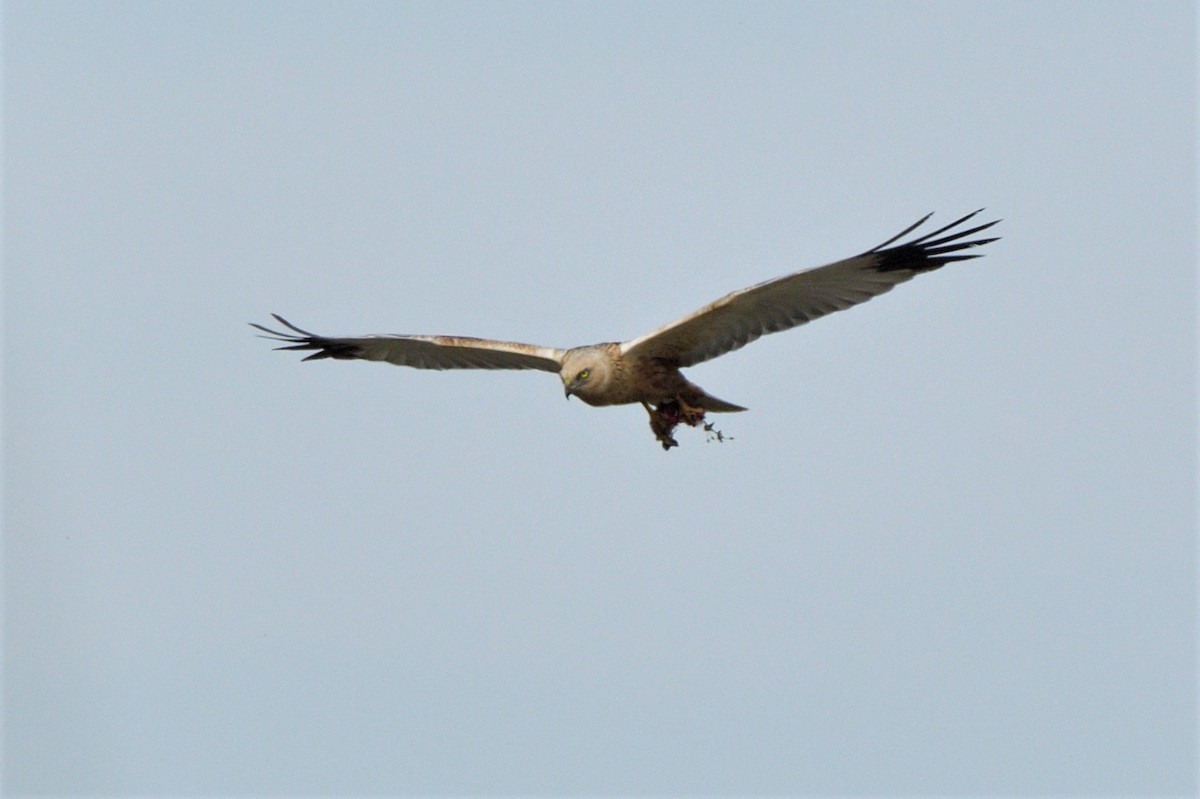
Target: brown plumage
645 370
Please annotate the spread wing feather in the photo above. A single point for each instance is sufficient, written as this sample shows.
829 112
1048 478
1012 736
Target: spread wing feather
785 302
421 352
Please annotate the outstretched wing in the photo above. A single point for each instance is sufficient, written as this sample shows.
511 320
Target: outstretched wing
785 302
421 352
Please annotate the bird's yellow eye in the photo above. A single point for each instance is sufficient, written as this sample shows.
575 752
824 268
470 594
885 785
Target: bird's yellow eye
584 375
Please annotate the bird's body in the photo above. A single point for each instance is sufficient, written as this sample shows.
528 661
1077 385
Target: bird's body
614 379
646 370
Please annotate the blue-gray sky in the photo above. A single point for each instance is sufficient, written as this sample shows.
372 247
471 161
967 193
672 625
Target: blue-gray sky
950 549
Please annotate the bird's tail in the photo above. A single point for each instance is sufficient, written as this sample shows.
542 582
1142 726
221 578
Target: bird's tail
711 403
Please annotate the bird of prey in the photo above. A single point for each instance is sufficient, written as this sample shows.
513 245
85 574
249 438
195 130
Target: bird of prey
645 370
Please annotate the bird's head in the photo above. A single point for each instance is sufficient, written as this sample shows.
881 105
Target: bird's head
584 373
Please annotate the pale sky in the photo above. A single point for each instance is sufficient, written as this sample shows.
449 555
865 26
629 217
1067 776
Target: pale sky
951 548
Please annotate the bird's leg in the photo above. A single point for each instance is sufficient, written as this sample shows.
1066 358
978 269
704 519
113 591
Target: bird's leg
663 420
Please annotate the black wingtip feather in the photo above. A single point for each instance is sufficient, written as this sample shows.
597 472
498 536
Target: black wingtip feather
303 340
928 252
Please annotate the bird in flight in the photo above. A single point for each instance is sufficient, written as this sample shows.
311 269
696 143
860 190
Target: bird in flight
645 370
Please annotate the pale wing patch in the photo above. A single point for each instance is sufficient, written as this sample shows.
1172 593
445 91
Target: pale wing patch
783 303
743 316
420 352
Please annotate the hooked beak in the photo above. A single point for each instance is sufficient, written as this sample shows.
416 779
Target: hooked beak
567 391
